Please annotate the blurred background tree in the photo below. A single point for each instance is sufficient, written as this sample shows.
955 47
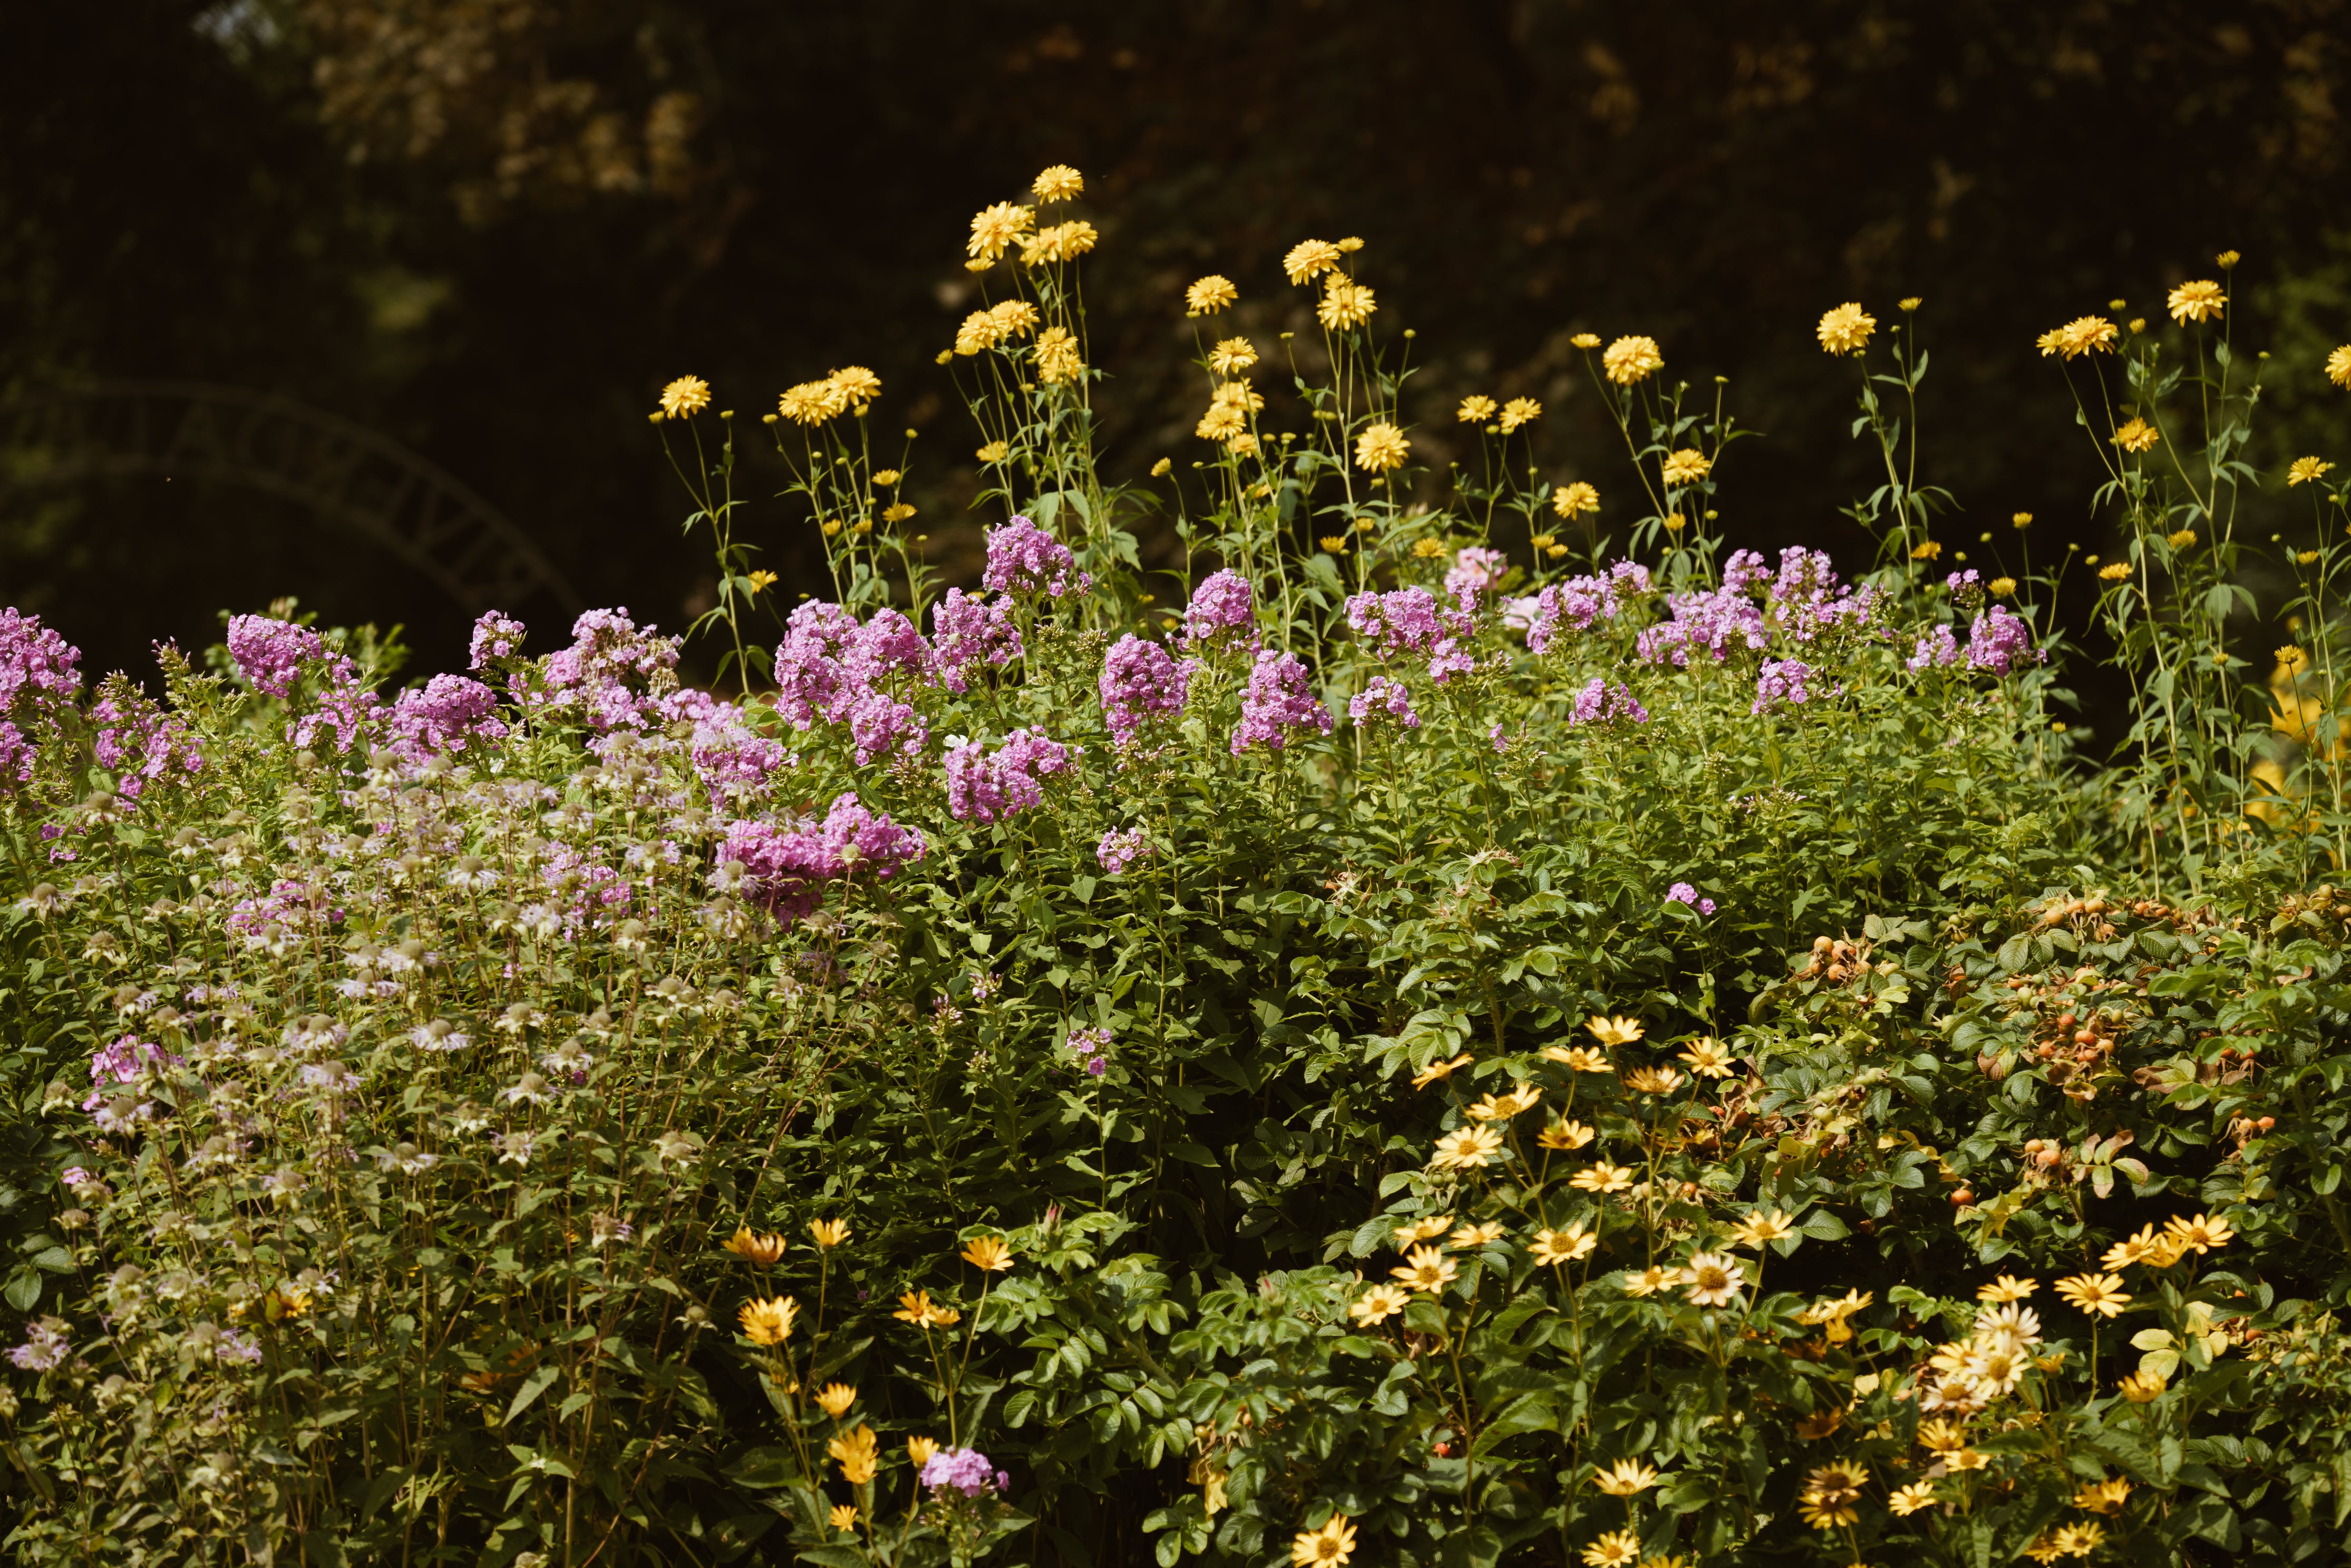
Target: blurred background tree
491 229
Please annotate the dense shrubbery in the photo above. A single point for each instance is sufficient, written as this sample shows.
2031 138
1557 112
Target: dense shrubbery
1453 1046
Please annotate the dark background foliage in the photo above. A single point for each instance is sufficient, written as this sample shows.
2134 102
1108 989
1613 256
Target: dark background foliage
492 228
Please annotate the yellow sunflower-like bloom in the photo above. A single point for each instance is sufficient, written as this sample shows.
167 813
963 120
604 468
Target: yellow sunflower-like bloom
761 1249
1059 184
1470 1236
1346 304
1232 356
1909 1499
1712 1278
886 476
1846 329
1221 422
1428 550
2010 1288
1687 467
769 1323
1476 408
2338 366
1209 295
2103 1497
835 1398
981 330
1587 341
2141 1388
2201 1234
1520 411
1630 360
1758 1229
2198 300
842 1517
1422 1230
2182 538
1626 1478
1648 1281
897 512
1654 1080
1062 242
2137 435
684 396
993 452
1613 1032
1439 1070
1377 1305
2082 335
760 581
1573 501
1565 1245
1310 259
1381 448
1927 550
1058 360
915 1307
1616 1548
1425 1269
1565 1137
996 229
989 1254
1827 1515
1603 1177
1708 1057
859 1453
1334 1543
1465 1149
2100 1295
1240 395
2305 469
857 386
813 403
2080 1540
921 1451
2000 587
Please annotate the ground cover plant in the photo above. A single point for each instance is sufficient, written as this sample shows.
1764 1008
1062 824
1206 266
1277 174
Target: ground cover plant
1467 1022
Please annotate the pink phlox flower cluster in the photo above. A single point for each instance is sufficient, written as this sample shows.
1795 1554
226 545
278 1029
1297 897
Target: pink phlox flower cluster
886 643
1404 621
1141 683
443 715
345 712
1024 559
1708 622
288 905
737 764
1121 848
2000 641
496 636
1383 700
586 887
1746 572
1090 1048
1602 702
136 739
1683 893
269 653
1475 571
1804 576
989 789
786 863
38 669
965 1470
1782 682
1581 601
1223 609
615 673
1936 647
1452 656
1277 705
1967 588
828 667
968 631
124 1061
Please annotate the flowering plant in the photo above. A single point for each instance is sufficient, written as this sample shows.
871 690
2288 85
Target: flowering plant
1457 1039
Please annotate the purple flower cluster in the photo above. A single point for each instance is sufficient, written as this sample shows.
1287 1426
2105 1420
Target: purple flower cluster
495 637
1140 682
443 715
1383 700
1579 602
1024 559
737 764
289 905
1121 848
1475 571
37 674
1403 622
1936 647
1277 704
136 739
1683 893
1967 588
1090 1047
269 653
964 1471
985 789
1782 682
2000 641
1708 622
1223 609
127 1058
968 631
830 667
615 673
785 863
1600 702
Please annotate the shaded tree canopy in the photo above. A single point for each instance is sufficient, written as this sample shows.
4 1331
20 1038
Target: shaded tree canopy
490 229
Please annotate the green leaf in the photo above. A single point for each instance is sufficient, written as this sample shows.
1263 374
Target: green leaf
532 1387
